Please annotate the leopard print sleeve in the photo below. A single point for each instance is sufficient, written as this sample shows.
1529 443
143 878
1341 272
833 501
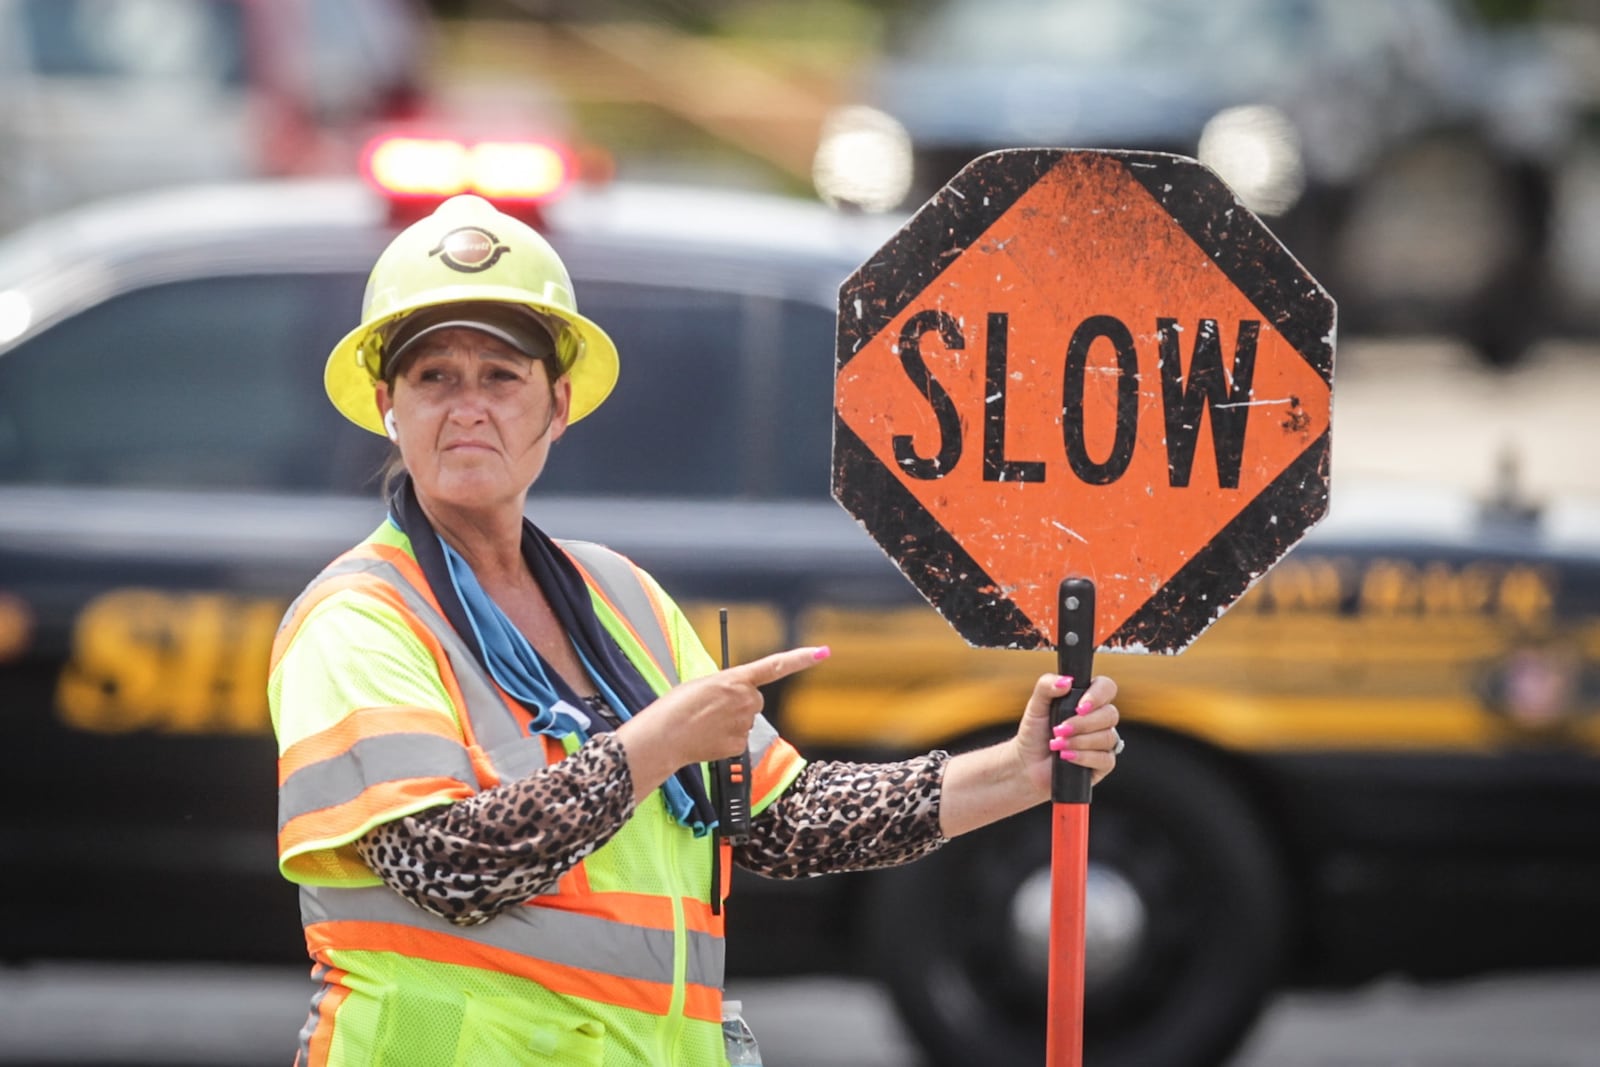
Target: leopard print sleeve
849 817
469 861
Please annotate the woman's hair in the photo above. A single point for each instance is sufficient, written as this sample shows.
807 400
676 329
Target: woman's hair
393 469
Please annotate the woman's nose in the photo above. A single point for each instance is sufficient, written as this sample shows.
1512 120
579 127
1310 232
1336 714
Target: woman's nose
468 403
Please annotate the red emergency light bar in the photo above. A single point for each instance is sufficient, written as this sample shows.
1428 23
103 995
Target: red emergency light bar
412 168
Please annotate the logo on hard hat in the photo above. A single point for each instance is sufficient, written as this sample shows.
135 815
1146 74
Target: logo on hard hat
469 249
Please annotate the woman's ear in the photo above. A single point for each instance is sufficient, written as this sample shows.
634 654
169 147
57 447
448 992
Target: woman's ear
380 396
561 396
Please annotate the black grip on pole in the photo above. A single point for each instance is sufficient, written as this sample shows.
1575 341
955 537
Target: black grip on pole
1069 783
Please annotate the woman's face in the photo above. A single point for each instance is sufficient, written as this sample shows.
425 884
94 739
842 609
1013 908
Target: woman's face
474 418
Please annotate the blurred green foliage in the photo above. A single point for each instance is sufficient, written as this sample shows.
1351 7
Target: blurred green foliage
1572 12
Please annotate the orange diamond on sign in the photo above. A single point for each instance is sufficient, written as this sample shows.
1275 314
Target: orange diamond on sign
1079 364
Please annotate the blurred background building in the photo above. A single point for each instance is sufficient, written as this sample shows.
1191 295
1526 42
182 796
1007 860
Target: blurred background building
1434 162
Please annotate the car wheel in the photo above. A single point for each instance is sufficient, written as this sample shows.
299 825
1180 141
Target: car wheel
1185 931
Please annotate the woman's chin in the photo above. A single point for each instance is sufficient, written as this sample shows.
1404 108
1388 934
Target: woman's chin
472 488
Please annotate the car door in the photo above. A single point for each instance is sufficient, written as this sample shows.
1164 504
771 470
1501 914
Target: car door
167 472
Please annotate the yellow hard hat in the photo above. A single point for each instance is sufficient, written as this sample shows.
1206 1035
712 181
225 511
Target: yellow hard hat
467 251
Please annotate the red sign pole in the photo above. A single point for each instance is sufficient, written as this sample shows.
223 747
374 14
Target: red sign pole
1069 855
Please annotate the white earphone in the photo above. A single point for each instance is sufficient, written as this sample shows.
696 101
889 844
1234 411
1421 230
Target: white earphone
388 425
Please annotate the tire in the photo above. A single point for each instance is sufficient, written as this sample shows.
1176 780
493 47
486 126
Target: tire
1181 869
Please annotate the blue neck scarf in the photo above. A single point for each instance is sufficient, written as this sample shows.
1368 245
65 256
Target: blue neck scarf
517 667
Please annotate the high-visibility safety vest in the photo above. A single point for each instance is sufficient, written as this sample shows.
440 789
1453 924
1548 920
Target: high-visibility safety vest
382 711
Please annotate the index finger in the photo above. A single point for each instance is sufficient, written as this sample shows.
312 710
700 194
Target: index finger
769 669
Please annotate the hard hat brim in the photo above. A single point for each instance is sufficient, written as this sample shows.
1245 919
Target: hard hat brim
350 384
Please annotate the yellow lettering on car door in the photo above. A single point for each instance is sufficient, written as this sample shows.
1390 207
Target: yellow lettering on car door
181 663
112 681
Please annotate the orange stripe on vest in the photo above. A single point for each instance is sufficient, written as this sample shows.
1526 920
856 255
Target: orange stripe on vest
635 909
383 592
360 724
702 1003
382 798
322 1037
777 762
652 997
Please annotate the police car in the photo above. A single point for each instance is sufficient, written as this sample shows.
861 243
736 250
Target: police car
1383 759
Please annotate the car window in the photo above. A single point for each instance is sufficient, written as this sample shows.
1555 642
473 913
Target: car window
199 41
805 394
704 402
216 383
208 383
669 427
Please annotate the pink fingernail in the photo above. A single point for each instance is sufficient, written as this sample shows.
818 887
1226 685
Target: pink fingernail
1059 744
1064 682
1084 707
1063 729
822 653
1067 753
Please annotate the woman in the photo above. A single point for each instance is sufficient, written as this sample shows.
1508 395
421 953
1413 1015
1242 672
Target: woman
492 745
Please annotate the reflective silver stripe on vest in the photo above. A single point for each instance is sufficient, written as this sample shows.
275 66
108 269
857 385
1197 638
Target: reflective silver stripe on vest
512 753
626 590
571 939
762 734
371 761
319 974
622 586
706 954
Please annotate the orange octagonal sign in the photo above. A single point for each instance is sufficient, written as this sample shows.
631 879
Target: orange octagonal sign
1083 364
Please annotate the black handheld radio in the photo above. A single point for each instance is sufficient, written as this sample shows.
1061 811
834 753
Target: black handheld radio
731 780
